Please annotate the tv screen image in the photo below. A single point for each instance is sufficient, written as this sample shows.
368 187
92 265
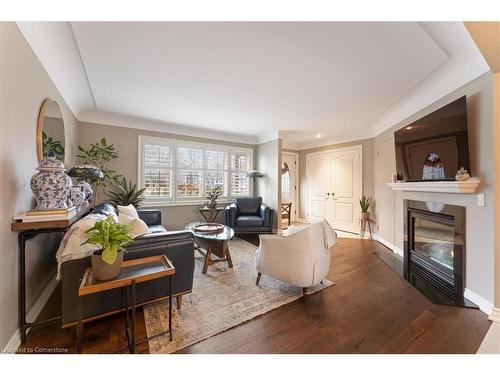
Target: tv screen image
434 147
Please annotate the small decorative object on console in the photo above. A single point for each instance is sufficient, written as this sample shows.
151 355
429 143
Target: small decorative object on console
86 189
51 186
462 175
77 196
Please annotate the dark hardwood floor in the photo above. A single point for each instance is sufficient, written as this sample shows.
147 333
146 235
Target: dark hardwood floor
371 309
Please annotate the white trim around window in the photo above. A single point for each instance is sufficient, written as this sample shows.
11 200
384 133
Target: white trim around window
166 165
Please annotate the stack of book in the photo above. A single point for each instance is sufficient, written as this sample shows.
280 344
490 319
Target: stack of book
46 215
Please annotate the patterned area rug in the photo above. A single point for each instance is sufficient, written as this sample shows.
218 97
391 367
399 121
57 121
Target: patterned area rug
222 298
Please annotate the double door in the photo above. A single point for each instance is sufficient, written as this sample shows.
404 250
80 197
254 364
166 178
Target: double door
335 187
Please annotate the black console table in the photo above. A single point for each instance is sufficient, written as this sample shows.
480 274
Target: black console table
26 232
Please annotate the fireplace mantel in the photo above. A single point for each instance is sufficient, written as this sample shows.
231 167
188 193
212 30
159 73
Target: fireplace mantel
457 187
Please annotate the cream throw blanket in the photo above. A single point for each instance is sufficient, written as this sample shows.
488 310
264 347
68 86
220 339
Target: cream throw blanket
71 247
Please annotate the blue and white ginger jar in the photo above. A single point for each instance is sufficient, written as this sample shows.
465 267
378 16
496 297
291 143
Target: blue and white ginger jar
51 186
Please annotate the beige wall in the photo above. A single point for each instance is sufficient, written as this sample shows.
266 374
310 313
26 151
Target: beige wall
368 170
479 234
268 162
496 156
126 143
24 85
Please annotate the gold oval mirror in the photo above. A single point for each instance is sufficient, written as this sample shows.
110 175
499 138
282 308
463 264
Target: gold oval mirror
50 131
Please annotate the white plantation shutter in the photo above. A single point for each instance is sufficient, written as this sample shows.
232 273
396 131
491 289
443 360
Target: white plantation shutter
174 171
189 183
216 159
157 177
189 158
216 170
239 184
240 165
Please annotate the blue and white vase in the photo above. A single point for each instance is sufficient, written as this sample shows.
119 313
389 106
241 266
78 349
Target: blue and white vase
77 196
51 186
86 189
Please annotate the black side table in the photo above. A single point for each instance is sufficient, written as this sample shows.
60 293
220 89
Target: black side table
26 232
132 273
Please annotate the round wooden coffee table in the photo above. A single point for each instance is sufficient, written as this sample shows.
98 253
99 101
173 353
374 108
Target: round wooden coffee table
212 243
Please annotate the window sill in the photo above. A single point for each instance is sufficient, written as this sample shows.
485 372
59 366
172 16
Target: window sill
180 204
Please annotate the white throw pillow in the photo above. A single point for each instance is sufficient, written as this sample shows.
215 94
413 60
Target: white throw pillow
128 211
137 226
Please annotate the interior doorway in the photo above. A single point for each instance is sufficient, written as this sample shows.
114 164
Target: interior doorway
289 183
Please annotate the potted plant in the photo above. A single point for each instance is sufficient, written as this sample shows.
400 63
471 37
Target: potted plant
110 238
127 194
364 202
100 154
213 195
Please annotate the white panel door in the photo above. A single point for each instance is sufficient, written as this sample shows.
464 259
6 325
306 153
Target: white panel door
335 187
319 186
346 182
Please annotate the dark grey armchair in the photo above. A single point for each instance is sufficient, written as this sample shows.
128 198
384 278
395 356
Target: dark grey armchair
249 215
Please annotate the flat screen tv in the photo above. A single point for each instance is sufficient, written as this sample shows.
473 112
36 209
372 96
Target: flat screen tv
435 147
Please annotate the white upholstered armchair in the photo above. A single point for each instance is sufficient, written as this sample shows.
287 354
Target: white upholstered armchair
300 259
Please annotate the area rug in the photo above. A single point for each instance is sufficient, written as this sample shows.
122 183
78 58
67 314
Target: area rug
222 298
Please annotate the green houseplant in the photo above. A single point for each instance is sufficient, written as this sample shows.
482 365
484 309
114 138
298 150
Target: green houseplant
52 146
364 202
100 154
110 238
126 194
213 195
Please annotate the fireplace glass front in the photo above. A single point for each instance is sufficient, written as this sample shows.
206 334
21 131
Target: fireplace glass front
433 239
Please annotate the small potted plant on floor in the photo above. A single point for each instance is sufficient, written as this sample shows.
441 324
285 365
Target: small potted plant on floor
364 202
213 195
110 238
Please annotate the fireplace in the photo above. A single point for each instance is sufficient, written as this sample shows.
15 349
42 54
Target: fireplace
434 254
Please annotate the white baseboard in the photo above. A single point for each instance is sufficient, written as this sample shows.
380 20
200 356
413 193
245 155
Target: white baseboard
388 244
301 220
495 315
484 305
35 310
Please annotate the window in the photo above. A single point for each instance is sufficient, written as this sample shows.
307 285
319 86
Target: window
179 172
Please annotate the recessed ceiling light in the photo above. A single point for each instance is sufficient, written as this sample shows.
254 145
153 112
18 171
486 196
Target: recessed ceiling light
409 127
318 135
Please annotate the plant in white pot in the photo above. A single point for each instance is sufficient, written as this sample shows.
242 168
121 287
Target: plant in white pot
364 202
110 238
213 195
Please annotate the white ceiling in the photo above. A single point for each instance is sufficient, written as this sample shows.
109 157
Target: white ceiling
243 81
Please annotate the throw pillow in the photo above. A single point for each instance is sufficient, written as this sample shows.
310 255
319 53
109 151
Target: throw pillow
137 226
128 211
